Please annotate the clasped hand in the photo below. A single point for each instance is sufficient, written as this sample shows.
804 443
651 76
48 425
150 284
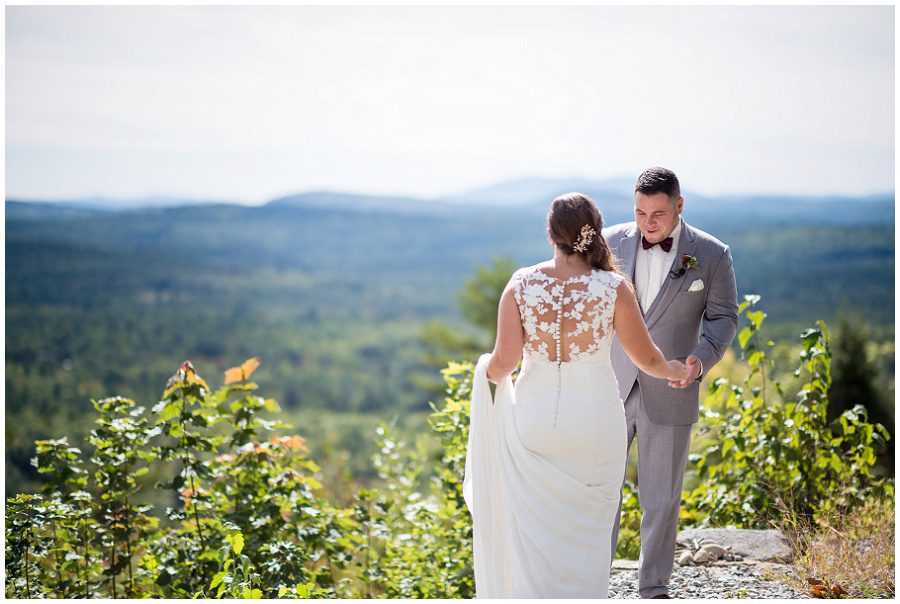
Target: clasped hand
688 372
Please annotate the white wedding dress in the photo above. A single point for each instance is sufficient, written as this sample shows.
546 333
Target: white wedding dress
546 457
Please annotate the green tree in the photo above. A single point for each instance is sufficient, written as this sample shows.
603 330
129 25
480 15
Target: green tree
854 377
478 301
480 295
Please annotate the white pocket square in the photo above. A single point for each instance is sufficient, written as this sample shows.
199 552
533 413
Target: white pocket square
696 286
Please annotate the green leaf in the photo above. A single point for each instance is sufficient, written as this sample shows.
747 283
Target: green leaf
169 411
757 317
810 336
237 542
726 445
755 357
217 578
745 336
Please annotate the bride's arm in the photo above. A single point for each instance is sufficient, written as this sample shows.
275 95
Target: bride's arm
510 338
635 340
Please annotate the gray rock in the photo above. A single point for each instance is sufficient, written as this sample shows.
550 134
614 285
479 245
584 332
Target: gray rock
763 545
685 559
702 557
619 564
715 550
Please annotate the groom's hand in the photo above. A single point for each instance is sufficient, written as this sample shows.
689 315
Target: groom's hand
694 369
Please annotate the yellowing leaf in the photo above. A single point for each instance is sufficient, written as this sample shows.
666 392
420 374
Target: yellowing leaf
295 443
193 378
233 375
249 366
240 374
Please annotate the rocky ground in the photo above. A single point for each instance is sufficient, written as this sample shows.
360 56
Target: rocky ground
748 579
721 563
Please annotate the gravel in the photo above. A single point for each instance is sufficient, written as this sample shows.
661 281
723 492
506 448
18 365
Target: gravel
720 580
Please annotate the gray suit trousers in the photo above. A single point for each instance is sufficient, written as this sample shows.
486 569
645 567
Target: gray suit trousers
662 455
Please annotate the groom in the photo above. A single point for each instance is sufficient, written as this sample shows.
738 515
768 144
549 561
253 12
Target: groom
684 281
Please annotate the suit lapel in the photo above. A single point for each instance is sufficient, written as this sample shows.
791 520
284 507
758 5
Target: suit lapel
670 287
628 251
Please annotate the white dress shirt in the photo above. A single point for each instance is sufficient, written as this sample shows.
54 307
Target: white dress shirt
652 267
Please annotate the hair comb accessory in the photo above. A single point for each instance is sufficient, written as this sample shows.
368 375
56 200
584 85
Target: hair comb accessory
584 239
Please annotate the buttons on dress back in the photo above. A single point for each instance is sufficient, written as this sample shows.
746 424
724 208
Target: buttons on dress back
591 296
558 337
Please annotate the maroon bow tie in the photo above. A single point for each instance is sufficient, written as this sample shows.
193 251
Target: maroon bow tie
665 244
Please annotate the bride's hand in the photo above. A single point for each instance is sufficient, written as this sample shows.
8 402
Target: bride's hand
679 371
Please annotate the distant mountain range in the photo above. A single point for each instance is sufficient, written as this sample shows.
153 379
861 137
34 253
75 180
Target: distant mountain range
533 195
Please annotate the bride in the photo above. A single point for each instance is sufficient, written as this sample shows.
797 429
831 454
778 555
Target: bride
546 457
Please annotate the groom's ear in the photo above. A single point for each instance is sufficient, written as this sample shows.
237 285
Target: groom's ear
679 205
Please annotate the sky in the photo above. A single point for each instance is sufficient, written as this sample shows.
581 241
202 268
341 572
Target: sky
246 104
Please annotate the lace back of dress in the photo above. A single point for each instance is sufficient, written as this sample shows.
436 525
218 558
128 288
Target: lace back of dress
566 320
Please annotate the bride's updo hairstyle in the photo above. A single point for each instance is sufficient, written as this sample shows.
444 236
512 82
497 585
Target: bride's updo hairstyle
568 216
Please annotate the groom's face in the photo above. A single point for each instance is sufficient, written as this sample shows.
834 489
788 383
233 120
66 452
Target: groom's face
656 215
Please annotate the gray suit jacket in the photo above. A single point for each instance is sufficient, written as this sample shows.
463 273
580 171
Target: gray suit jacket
674 319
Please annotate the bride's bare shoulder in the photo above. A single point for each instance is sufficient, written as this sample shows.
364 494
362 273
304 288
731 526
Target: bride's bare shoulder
623 285
525 271
538 266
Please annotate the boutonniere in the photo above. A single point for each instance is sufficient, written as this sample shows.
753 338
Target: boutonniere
687 262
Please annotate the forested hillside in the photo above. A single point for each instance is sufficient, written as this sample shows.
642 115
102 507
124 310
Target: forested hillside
332 291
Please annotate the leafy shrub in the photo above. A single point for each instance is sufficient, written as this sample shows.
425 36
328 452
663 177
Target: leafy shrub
249 523
628 546
420 545
250 520
772 451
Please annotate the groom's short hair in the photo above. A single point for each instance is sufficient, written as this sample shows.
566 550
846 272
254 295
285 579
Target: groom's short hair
658 180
